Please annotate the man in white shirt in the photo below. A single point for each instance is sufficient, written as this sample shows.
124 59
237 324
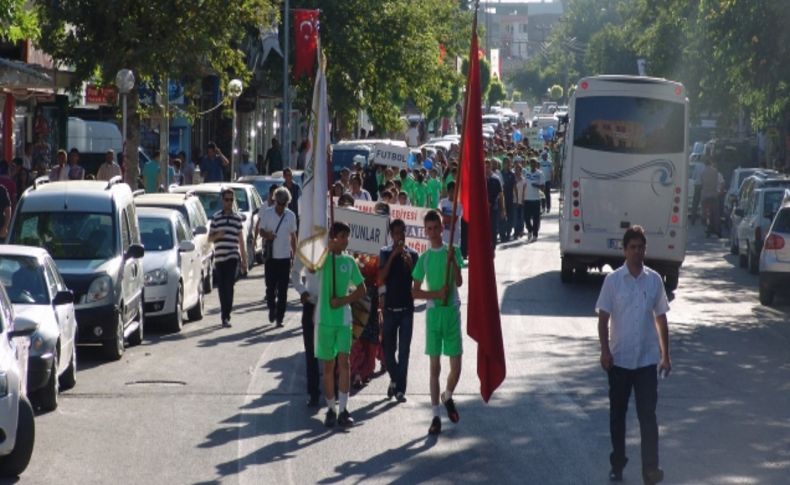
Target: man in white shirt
519 196
634 339
277 226
109 168
534 189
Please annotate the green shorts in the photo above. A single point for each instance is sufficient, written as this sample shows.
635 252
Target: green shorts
332 340
443 332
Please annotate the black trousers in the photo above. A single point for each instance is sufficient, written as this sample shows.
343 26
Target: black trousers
495 222
277 272
532 216
398 327
311 363
464 238
644 382
225 274
546 203
506 227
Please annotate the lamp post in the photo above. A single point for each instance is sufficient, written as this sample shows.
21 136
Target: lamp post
235 87
124 81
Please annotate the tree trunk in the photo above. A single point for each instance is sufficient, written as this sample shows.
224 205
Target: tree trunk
132 141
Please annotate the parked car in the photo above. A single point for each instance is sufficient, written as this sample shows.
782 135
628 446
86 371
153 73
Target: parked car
195 216
247 202
744 200
173 269
90 230
17 425
38 293
298 178
738 176
775 257
262 184
755 220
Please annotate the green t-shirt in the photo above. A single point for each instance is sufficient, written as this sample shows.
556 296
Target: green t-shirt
150 176
434 192
346 273
407 185
432 267
419 195
446 181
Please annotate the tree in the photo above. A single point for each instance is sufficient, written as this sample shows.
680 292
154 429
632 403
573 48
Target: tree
176 39
485 75
18 21
556 92
496 92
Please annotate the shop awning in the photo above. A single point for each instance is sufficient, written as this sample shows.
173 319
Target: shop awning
16 75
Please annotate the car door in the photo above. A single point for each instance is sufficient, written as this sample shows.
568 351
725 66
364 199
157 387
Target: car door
746 227
64 314
189 263
132 267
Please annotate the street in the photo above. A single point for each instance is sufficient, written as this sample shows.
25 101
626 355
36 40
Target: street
213 405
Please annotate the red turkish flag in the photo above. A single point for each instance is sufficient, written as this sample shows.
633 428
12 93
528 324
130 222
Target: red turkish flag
483 323
305 28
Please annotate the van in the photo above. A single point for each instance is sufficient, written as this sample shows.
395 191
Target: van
93 139
90 229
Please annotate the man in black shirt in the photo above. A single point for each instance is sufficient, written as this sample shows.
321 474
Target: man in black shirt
396 305
496 201
508 183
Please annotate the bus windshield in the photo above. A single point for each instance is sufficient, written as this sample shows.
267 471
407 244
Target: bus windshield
625 124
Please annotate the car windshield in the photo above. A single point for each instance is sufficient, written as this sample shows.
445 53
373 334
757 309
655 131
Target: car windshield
180 208
67 235
23 278
782 223
241 199
211 202
773 200
156 233
263 186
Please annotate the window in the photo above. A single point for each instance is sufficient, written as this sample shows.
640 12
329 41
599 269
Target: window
67 235
24 280
782 223
157 233
52 280
181 231
125 237
241 199
522 28
626 124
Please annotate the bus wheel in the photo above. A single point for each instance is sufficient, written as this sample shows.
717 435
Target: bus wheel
566 272
671 282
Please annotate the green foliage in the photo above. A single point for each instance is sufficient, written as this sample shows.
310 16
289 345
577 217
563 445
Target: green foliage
485 75
18 21
496 92
556 92
516 95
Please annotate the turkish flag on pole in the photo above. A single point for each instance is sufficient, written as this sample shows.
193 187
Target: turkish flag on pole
483 322
306 42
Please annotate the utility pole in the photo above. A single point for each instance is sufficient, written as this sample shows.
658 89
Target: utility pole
285 146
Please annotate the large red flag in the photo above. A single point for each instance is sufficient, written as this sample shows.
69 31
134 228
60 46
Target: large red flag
306 36
483 322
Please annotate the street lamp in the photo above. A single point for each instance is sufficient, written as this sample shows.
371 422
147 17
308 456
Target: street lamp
235 87
124 81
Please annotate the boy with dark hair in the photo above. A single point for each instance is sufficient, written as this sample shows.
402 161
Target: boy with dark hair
443 315
333 335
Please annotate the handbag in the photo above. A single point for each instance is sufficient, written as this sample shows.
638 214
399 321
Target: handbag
268 245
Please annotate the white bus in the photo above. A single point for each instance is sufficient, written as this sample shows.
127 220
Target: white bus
625 164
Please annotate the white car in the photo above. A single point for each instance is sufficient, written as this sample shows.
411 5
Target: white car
38 293
190 207
173 270
17 425
756 219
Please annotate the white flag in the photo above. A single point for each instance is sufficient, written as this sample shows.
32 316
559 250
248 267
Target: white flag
312 248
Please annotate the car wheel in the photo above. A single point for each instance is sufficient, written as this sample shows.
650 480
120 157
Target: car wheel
754 262
743 260
113 349
196 312
671 282
733 246
46 398
566 272
69 377
14 463
766 296
136 338
176 320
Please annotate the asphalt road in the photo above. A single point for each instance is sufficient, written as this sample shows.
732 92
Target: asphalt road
213 405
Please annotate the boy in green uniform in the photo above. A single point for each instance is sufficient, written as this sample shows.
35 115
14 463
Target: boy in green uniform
434 189
419 192
443 316
333 329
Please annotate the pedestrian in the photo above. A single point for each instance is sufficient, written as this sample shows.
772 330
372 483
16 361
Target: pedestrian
21 177
696 197
295 191
274 158
519 195
75 170
446 209
434 187
443 314
246 167
306 284
357 192
229 248
60 171
152 176
277 227
548 172
345 179
396 307
508 183
496 201
293 154
534 189
109 168
211 167
712 182
302 156
634 339
333 335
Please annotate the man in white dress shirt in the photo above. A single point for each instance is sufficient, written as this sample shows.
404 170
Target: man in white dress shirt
634 338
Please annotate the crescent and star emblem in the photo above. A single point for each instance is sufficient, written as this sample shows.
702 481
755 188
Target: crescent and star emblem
310 28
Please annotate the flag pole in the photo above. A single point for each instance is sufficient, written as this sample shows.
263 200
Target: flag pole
453 216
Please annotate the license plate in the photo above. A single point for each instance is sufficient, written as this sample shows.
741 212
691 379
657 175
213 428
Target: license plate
616 244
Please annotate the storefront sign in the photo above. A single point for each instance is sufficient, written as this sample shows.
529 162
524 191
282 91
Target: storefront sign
99 95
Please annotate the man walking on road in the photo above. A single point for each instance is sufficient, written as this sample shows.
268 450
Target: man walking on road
277 226
443 316
396 304
634 338
534 188
712 182
229 247
308 294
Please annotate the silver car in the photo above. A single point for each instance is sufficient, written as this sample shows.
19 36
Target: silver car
172 265
38 293
775 257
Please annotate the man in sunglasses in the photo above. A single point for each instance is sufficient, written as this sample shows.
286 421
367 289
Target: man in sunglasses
277 226
229 248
